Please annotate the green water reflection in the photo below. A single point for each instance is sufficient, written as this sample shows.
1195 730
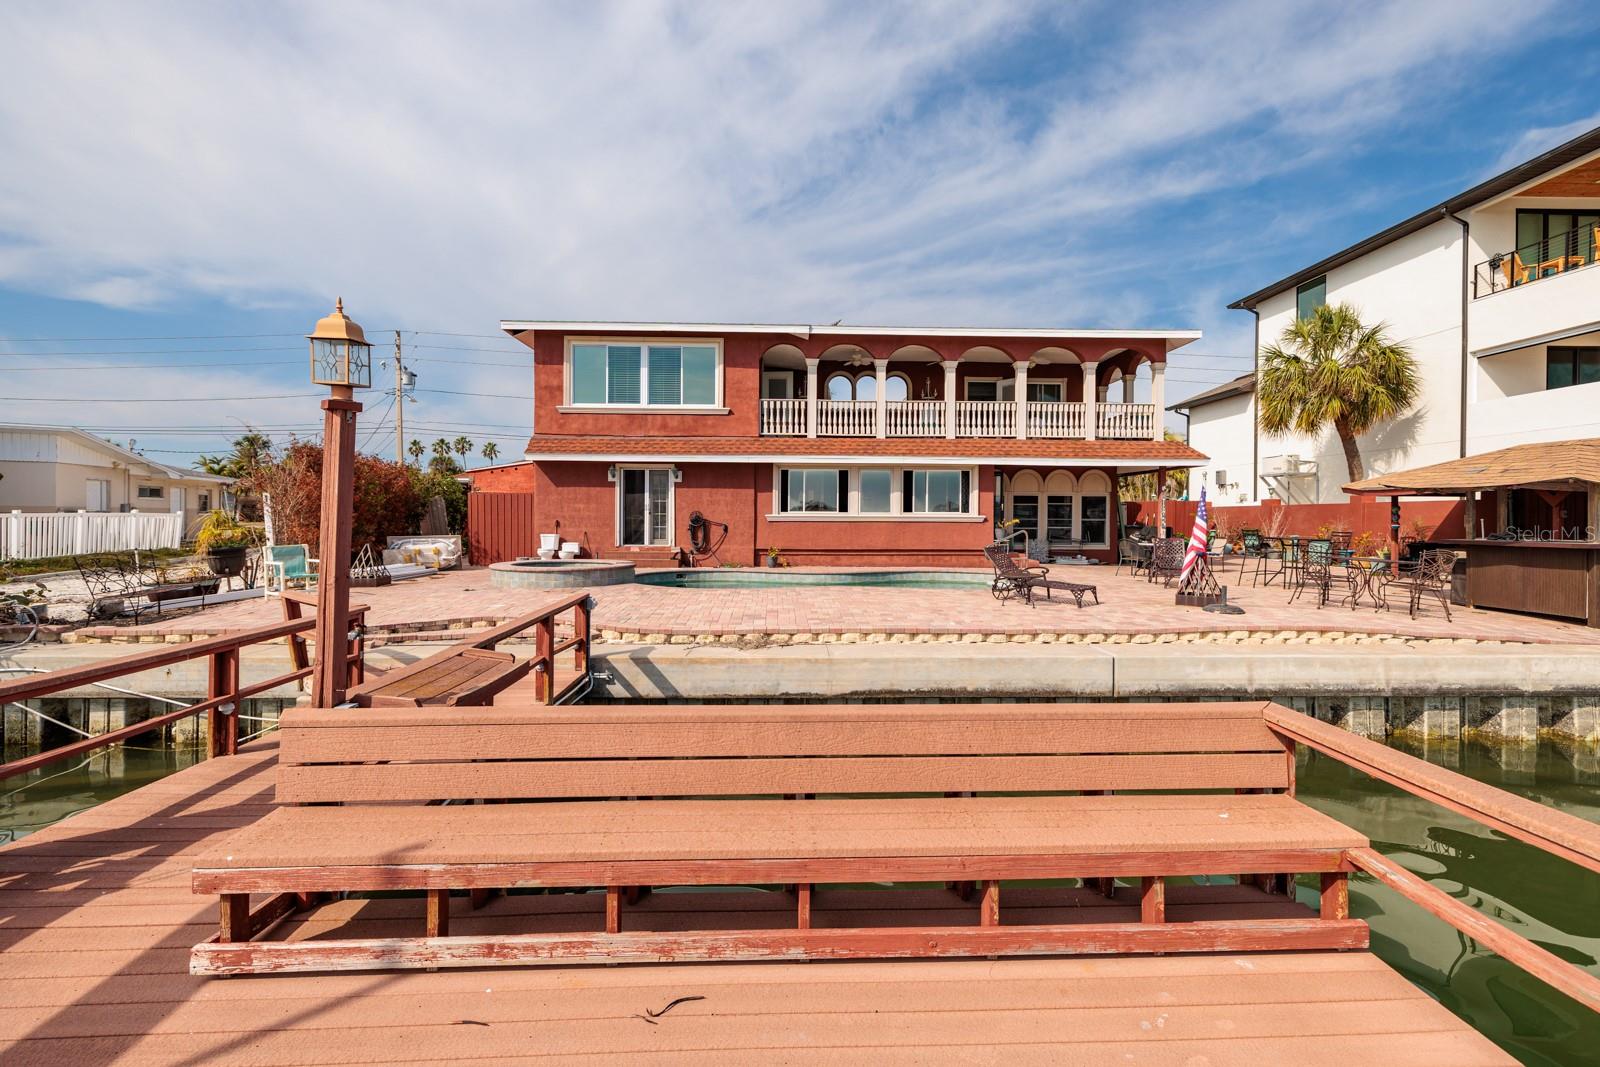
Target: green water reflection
37 799
1549 901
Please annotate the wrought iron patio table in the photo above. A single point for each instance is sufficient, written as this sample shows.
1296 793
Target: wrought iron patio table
1369 577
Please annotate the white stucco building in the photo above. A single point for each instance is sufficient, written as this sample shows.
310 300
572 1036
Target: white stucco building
1494 292
60 468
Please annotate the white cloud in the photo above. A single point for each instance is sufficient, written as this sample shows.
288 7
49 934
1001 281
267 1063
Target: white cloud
442 166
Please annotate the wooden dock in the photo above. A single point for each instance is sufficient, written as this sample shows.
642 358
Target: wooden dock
97 921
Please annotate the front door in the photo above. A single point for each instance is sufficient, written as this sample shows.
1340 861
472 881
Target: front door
645 506
98 497
777 385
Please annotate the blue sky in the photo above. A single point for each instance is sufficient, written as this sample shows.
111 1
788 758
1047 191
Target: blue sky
186 187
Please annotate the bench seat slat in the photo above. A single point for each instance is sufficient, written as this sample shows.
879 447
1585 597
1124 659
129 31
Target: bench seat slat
734 777
993 731
773 830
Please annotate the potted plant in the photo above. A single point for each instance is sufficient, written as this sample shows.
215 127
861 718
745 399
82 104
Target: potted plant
773 559
224 541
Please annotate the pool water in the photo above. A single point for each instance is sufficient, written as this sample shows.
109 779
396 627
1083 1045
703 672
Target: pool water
742 578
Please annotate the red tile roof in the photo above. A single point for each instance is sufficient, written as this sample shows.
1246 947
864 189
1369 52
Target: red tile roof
983 449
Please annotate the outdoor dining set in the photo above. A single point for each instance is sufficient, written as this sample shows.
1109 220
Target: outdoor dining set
1328 567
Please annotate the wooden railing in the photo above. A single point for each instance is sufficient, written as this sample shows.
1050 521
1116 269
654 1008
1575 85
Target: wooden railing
1555 832
782 417
847 418
986 418
1052 419
1125 421
223 691
915 418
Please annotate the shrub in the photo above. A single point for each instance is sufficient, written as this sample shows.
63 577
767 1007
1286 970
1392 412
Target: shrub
386 497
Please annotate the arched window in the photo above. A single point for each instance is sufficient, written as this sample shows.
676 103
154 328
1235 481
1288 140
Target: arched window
866 387
839 387
897 388
1094 509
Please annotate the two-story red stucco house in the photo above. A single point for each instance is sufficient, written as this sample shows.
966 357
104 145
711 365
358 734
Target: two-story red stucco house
840 445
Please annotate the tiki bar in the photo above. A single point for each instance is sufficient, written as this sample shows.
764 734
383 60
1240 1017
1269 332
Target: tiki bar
1532 524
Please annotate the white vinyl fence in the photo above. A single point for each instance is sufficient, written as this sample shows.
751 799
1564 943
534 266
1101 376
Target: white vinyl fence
29 535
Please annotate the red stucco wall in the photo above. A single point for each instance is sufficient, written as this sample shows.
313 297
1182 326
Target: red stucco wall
513 478
574 499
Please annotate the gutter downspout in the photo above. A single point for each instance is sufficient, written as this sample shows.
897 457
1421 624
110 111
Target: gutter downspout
1466 359
1255 415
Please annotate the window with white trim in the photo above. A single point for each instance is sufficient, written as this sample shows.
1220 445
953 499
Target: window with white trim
811 490
150 492
875 489
643 375
935 492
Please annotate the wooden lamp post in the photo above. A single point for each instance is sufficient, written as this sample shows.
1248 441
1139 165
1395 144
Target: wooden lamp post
341 359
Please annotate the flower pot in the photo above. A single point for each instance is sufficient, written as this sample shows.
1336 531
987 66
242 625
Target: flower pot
227 562
772 561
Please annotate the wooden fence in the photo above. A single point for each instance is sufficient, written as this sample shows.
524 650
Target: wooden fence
500 527
44 535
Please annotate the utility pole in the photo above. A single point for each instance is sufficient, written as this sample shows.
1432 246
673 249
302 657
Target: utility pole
399 404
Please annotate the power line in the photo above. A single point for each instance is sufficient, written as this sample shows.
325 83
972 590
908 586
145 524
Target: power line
151 366
162 399
148 337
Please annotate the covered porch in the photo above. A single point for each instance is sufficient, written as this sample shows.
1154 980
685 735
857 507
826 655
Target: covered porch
885 388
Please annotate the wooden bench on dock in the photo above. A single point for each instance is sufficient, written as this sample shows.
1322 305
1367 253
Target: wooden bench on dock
1118 778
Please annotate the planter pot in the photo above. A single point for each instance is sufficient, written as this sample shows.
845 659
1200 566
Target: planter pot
772 562
227 562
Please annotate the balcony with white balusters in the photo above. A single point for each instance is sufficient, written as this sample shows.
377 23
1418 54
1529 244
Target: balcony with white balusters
878 398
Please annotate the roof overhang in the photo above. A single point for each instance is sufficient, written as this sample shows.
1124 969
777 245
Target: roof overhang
1172 338
845 457
1507 182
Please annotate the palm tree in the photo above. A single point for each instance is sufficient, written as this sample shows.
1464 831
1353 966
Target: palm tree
490 450
416 450
441 448
1330 370
462 445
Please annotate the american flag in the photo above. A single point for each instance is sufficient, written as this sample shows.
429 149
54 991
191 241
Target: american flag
1198 539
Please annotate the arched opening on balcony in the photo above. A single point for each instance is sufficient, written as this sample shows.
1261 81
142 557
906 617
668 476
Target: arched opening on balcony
1125 395
783 388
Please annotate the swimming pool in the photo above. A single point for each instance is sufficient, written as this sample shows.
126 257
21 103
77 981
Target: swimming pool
754 578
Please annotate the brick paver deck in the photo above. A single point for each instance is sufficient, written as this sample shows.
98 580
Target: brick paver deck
1129 607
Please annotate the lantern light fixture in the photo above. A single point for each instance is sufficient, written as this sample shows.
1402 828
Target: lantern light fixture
340 354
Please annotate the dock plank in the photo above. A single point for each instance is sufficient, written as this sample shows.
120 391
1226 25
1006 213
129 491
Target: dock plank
97 918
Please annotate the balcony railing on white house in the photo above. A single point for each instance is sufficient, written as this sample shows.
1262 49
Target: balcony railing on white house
1046 420
847 418
783 418
1126 421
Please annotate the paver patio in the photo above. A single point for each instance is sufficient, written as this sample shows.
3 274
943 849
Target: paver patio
428 607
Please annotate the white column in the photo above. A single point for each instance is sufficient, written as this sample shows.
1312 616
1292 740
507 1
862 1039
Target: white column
811 396
1020 367
950 366
1090 394
1158 393
881 367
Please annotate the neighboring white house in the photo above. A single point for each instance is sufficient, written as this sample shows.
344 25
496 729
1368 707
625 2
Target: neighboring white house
1221 421
59 468
1496 291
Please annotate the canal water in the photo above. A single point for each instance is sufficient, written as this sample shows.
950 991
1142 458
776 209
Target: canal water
1553 903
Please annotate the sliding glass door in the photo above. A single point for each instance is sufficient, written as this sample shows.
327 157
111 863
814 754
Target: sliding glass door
645 505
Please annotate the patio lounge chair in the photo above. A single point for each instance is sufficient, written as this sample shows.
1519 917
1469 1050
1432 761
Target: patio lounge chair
286 565
1011 579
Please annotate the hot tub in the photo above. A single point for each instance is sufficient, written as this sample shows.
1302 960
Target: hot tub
558 573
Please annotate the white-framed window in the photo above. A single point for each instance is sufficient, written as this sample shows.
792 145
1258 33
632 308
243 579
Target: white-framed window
1065 511
644 506
897 387
1005 389
839 386
941 491
625 373
150 492
874 492
812 490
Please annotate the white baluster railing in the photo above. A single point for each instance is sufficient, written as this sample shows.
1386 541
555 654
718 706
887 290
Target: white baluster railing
986 418
847 418
1054 419
916 418
783 418
1126 421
